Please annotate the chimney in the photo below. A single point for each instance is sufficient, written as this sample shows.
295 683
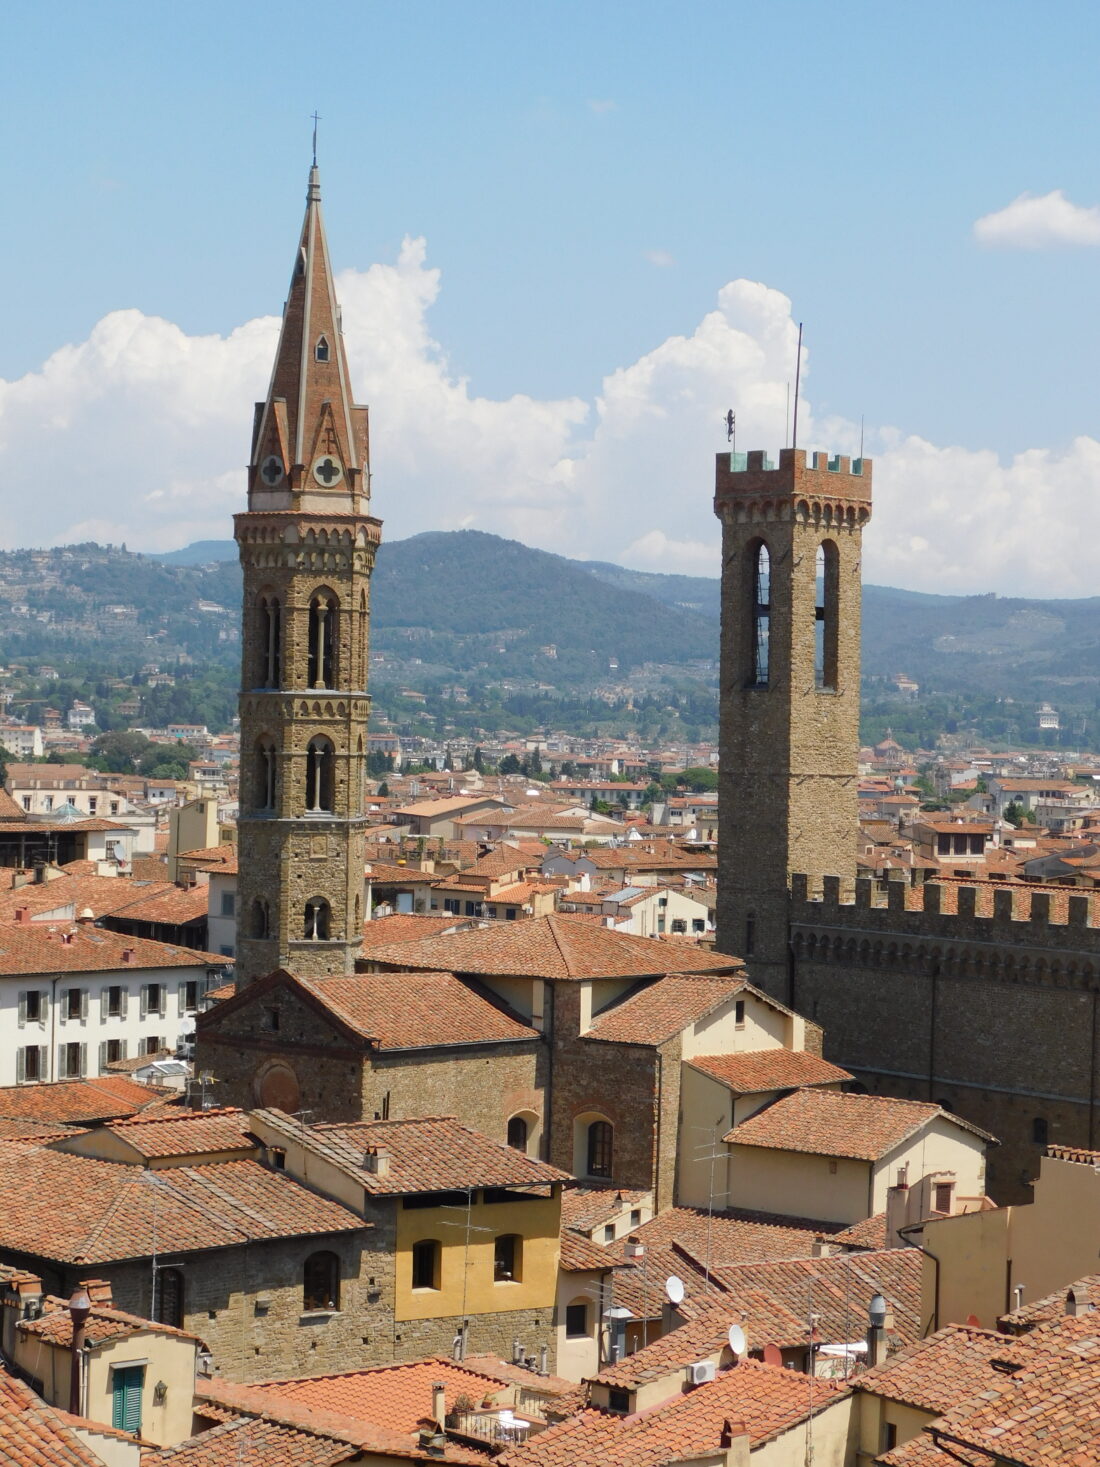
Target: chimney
881 1322
40 875
376 1160
98 1291
544 1360
127 954
1077 1301
897 1209
22 914
734 1441
439 1403
86 918
634 1248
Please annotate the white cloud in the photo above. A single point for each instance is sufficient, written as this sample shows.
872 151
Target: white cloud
140 433
601 107
661 258
1032 222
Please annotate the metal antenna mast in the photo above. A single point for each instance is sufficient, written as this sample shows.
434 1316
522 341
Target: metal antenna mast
797 379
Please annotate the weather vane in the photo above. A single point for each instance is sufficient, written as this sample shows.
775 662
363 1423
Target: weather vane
316 120
731 428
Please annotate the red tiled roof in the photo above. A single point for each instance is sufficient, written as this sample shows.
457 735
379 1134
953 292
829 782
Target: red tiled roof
76 1209
104 1324
417 1010
256 1442
585 1208
220 859
580 1255
760 1070
106 1097
32 1434
35 947
663 1009
762 1398
831 1123
869 1234
553 946
189 1133
429 1154
174 905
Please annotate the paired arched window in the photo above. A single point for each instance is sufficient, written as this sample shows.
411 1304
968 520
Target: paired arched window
318 923
321 1281
259 924
321 350
425 1264
323 608
269 639
320 765
517 1133
265 774
826 583
760 610
601 1145
168 1305
508 1258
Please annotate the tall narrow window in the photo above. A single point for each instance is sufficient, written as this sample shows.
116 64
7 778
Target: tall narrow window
825 618
320 760
322 640
321 1281
318 921
362 639
601 1137
507 1256
260 925
517 1133
270 629
761 616
265 774
425 1264
169 1300
321 350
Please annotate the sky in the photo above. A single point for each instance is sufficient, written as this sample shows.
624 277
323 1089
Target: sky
568 237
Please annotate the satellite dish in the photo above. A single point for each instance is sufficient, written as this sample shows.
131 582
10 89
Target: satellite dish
674 1288
773 1355
737 1340
973 1321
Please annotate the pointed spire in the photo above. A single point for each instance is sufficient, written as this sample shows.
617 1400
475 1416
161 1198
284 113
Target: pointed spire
310 440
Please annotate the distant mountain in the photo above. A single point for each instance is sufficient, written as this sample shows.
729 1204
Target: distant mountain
199 552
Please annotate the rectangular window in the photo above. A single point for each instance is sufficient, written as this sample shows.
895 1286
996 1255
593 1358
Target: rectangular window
34 1006
153 998
943 1196
469 909
609 1233
229 903
506 1259
450 904
425 1264
126 1387
32 1067
114 1002
92 803
739 1013
190 995
114 1051
73 1005
26 802
152 1044
576 1321
70 1061
510 914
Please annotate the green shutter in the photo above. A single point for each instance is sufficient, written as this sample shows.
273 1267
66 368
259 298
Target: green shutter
126 1385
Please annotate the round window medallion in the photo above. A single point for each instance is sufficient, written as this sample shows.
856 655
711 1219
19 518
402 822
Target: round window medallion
327 471
271 470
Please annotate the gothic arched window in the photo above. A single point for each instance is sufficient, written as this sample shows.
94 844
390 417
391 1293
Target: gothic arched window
265 774
601 1143
323 607
825 615
318 921
320 762
321 350
760 609
269 639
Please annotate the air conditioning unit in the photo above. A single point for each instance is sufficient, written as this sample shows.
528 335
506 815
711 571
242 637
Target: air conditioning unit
701 1372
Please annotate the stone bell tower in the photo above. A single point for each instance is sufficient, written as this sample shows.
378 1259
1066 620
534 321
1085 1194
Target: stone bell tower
789 702
307 546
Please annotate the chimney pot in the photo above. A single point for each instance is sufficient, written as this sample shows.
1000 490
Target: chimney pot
376 1159
22 914
127 954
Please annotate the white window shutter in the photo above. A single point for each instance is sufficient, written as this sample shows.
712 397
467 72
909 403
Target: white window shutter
44 1062
104 995
83 1060
84 1003
102 1056
61 1062
63 1016
163 1000
22 1013
122 1049
125 1001
144 999
181 998
20 1064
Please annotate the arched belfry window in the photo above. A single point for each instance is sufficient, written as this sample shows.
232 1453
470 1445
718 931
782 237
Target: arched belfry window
265 774
321 350
760 609
318 920
601 1142
260 919
322 640
825 615
270 639
320 761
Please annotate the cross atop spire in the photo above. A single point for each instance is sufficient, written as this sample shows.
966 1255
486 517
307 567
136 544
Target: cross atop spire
316 120
309 446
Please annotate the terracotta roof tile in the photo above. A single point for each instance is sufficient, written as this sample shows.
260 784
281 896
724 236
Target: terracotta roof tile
418 1010
77 1209
174 905
766 1400
37 947
255 1442
186 1133
869 1234
937 1373
585 1208
769 1069
664 1009
106 1097
580 1255
55 1325
32 1434
832 1123
554 946
429 1154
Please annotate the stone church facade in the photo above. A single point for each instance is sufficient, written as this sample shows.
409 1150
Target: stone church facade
983 999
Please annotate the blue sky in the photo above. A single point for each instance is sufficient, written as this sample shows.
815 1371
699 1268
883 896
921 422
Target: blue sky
587 178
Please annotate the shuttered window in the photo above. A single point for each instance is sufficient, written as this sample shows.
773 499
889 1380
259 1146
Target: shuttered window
126 1384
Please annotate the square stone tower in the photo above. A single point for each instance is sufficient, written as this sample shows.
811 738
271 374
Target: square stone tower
307 546
789 699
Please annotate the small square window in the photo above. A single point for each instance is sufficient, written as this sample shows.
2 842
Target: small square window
609 1233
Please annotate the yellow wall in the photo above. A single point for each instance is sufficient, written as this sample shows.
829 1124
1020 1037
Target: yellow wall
107 1146
874 1412
972 1250
705 1117
537 1221
941 1146
798 1184
1054 1240
834 1433
719 1033
579 1358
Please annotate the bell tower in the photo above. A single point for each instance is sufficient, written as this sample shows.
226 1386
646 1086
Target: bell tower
789 700
307 545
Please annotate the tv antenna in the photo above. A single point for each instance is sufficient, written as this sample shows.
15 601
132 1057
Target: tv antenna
797 379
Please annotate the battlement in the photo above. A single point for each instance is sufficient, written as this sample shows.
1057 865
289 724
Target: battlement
979 912
811 485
